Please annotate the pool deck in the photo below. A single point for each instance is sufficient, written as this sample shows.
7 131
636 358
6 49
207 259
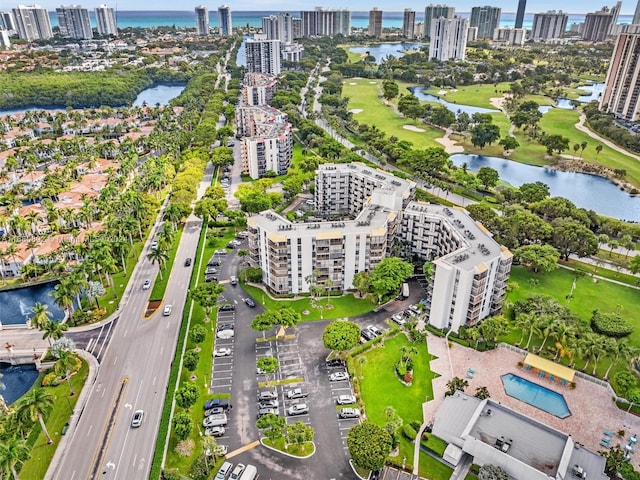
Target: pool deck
592 409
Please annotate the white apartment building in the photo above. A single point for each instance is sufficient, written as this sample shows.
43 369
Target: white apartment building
279 27
267 143
4 39
225 24
510 36
258 88
471 269
432 12
263 55
448 38
8 23
32 22
549 26
202 20
74 22
292 52
106 21
320 22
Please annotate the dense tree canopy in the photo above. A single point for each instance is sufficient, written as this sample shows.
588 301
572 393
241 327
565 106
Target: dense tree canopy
369 445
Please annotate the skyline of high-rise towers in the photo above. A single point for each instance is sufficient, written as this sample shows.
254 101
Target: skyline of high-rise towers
32 22
73 21
224 20
202 20
436 11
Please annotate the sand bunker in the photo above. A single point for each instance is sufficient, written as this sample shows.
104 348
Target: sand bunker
373 83
413 129
353 83
356 110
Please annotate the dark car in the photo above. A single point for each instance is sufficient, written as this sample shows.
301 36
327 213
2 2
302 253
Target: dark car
214 262
336 362
227 307
367 334
210 278
217 402
187 262
249 302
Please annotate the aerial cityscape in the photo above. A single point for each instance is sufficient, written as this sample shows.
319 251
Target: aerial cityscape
362 241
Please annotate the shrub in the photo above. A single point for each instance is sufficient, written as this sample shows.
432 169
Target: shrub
611 325
415 425
182 425
401 369
51 380
201 468
184 448
197 334
633 395
409 432
624 381
187 395
191 360
172 474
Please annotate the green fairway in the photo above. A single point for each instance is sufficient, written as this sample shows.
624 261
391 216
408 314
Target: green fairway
474 95
365 96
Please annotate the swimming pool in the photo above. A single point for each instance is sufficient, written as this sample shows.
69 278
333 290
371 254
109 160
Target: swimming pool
535 395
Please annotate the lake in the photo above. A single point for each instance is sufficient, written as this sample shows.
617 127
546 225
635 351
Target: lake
17 303
452 107
17 380
382 50
158 95
586 191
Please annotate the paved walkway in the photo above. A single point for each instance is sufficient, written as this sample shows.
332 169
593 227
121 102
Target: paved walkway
584 129
592 410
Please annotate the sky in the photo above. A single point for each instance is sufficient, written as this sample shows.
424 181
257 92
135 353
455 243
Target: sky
533 6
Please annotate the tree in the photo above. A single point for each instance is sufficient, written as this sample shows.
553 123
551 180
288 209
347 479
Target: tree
492 327
272 425
34 405
268 365
488 177
492 472
484 134
286 317
455 384
634 264
341 335
41 316
572 237
13 452
482 393
555 143
362 282
54 330
509 143
390 89
206 294
534 192
298 433
67 362
538 257
182 425
160 256
369 445
615 456
388 275
263 322
187 395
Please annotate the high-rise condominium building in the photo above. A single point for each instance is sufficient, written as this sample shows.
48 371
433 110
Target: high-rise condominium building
448 38
522 6
510 36
263 55
435 11
321 23
279 27
375 23
408 23
202 20
549 26
106 20
4 38
597 25
74 22
621 94
224 20
486 19
615 13
636 14
32 22
8 23
471 269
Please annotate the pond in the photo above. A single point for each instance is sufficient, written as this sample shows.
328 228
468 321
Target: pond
17 380
586 191
158 95
452 107
382 50
17 303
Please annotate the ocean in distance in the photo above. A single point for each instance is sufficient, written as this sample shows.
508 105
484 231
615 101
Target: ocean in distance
187 19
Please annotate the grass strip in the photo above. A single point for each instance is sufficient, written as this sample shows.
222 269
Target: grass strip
162 280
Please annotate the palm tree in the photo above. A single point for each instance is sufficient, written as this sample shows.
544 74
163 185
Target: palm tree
12 453
54 330
34 405
63 296
159 256
3 405
621 350
455 384
41 316
65 364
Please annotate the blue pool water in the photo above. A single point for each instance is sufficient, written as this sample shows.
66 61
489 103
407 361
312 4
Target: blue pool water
535 395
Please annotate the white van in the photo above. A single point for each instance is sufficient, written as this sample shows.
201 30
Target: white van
234 280
250 473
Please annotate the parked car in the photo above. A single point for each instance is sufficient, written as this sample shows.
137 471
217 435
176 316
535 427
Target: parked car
367 334
215 420
335 362
217 402
249 301
267 395
222 352
210 278
349 413
226 326
375 330
298 409
187 262
214 431
227 307
213 411
346 399
167 310
222 251
146 285
399 319
296 393
235 475
136 420
338 376
225 334
269 404
264 411
210 271
214 262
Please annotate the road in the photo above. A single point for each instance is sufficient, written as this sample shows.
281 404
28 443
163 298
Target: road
133 375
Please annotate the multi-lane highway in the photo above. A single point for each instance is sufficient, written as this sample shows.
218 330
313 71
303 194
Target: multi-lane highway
133 376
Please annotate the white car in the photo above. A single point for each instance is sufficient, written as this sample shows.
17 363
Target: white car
296 393
298 409
346 399
349 413
136 421
146 285
222 352
225 334
214 431
338 376
167 310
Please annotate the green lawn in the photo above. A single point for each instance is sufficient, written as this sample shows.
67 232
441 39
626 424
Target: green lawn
474 95
365 96
344 306
41 454
160 285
